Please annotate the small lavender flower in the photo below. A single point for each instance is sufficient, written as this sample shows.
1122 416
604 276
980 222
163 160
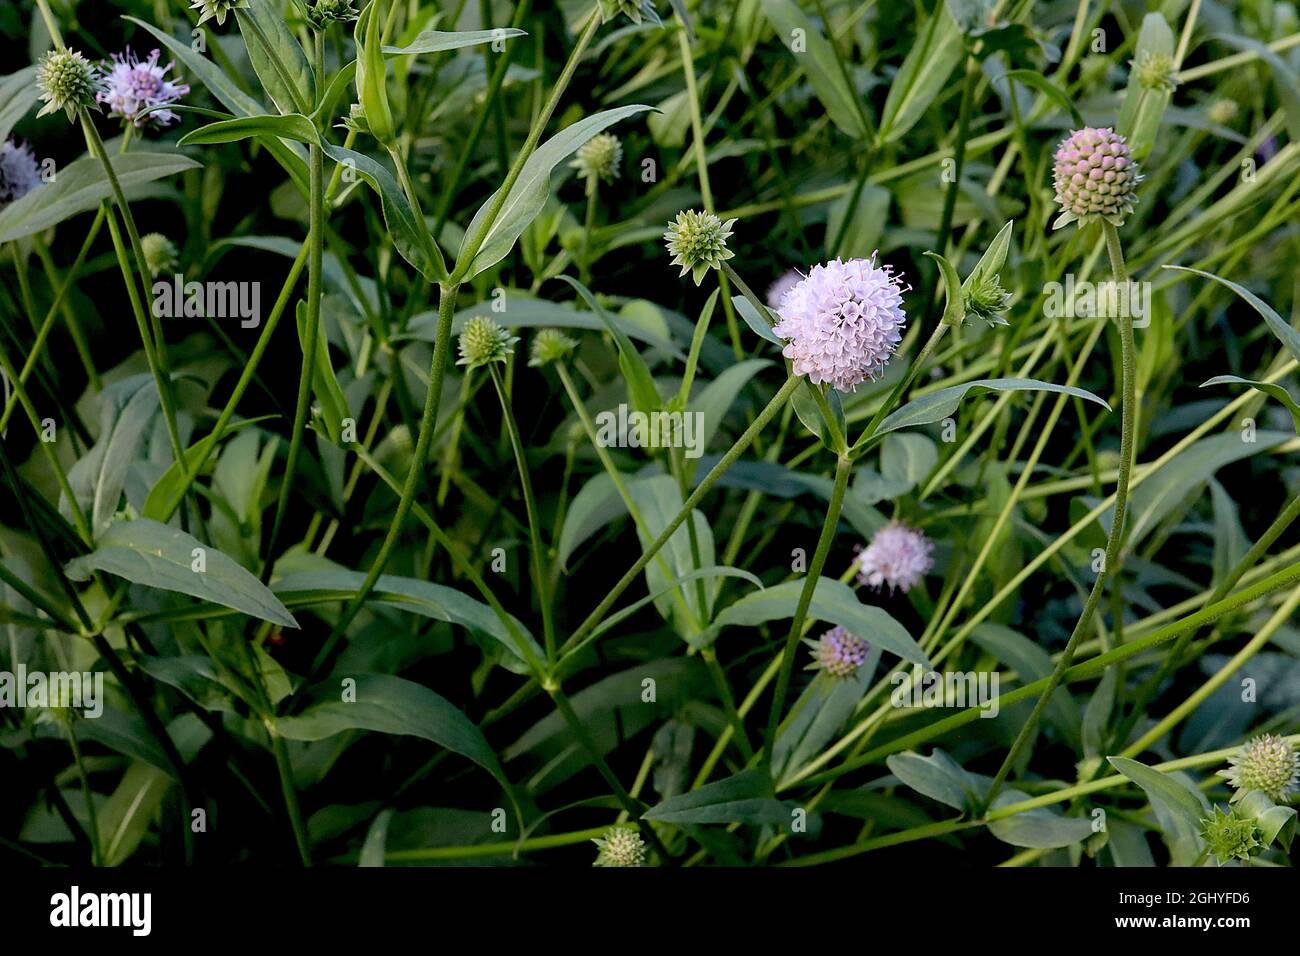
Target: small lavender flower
777 290
67 81
483 342
217 9
1095 178
19 172
620 846
898 556
838 653
1267 763
599 158
551 345
843 322
698 242
133 86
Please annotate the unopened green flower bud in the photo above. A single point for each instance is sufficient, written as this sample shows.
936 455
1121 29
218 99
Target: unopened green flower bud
620 846
1229 836
372 75
1223 111
217 9
67 81
1268 764
698 242
483 342
325 12
987 300
599 158
1156 71
160 253
551 345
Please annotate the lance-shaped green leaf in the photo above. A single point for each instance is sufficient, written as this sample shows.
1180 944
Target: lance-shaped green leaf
528 195
939 405
745 798
325 384
277 57
922 76
18 94
154 555
293 126
406 228
1049 89
640 383
814 54
1179 807
833 602
1271 389
1139 116
391 705
436 41
1283 330
372 74
82 186
954 311
1040 828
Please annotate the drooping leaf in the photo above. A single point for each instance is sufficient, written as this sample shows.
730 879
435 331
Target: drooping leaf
434 41
292 126
155 555
814 54
746 797
937 406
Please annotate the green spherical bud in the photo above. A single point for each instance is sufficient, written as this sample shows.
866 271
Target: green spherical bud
1228 836
551 345
1156 71
1268 764
1223 111
483 342
599 158
217 9
698 242
987 300
325 12
160 253
67 81
620 846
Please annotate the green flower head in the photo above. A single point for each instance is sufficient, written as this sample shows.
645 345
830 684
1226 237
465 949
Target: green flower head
159 253
551 345
698 242
599 158
1156 71
325 12
636 10
483 342
1268 764
620 846
1229 836
217 9
67 81
987 300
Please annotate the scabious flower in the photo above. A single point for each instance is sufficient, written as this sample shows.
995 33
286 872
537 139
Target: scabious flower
1095 178
67 81
843 322
551 345
1156 71
898 556
599 158
19 172
1267 763
620 846
838 653
217 9
483 342
777 290
133 86
1229 836
325 12
160 253
698 242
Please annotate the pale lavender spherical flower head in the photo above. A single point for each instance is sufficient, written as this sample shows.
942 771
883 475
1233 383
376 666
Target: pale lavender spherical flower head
1095 177
19 172
131 86
897 557
843 322
776 292
838 653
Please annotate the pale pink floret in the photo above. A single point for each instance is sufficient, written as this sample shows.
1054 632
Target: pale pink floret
843 322
776 292
898 557
134 85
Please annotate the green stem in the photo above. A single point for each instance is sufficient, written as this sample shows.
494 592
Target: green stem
290 792
1114 541
534 519
843 467
97 852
